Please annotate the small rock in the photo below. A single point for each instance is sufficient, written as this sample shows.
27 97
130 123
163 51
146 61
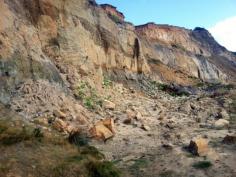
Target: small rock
108 105
128 121
138 116
224 114
72 129
229 139
60 125
130 114
59 114
221 123
146 128
198 146
41 121
167 146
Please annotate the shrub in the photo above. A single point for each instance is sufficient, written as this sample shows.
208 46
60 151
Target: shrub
106 81
88 95
115 19
78 139
10 135
103 169
202 164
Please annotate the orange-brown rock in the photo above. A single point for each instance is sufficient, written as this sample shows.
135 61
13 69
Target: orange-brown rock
103 129
60 125
198 146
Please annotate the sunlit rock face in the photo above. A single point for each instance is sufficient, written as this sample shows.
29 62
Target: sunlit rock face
64 41
193 51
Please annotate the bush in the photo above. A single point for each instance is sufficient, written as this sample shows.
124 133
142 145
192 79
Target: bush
10 134
115 19
168 89
78 139
106 81
88 95
202 165
103 169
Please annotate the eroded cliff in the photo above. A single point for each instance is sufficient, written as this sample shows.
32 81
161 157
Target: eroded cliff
65 42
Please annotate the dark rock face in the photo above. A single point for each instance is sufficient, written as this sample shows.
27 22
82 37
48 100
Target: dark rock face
207 41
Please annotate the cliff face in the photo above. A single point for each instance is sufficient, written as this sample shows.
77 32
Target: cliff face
192 51
65 41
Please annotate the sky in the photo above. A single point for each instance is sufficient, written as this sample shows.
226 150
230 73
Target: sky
218 16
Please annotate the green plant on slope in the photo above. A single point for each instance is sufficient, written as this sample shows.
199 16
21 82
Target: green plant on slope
88 95
202 164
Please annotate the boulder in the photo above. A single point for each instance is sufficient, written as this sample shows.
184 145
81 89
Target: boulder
103 129
109 105
221 123
109 123
198 146
101 132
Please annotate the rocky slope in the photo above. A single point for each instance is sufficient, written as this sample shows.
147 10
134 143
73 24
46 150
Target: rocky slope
74 66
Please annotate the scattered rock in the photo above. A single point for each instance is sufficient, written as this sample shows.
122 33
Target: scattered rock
138 116
60 125
130 114
146 128
72 129
224 115
229 139
198 146
59 114
167 146
128 121
221 123
41 121
108 105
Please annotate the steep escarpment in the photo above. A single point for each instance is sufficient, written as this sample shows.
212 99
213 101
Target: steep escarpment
192 51
66 42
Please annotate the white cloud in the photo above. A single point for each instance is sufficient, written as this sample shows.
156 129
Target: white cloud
225 33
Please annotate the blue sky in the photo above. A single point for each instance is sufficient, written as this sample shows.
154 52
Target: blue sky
184 13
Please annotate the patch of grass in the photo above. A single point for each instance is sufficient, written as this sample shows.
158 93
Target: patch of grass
88 95
140 163
168 89
53 155
11 134
78 139
115 19
92 151
106 81
202 165
103 169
